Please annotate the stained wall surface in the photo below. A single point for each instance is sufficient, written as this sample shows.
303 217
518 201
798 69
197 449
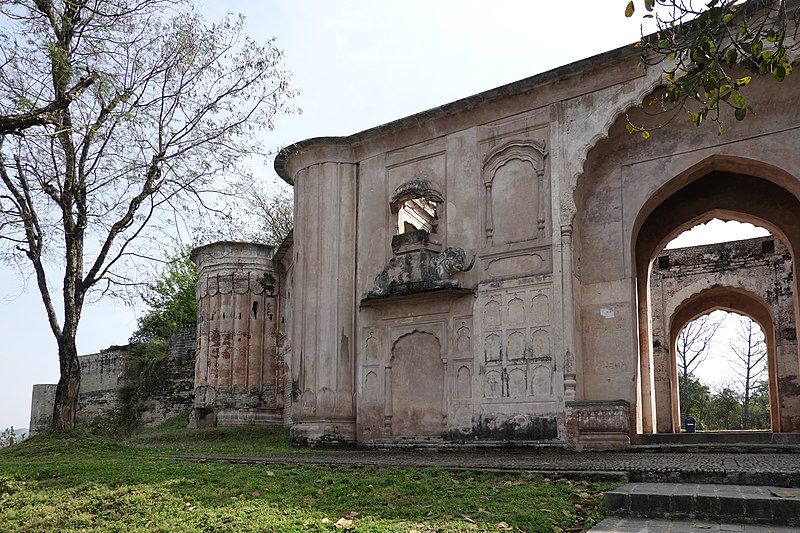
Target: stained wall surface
239 375
524 303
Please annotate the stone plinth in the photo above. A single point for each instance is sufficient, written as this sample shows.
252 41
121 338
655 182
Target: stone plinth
237 376
42 402
598 424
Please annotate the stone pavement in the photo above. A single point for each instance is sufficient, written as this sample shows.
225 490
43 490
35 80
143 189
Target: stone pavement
731 468
643 525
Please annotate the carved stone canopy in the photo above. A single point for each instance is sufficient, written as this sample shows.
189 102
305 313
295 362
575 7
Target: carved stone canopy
414 189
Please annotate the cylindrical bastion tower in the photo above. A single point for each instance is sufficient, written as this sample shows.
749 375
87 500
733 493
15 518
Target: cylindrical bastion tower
238 377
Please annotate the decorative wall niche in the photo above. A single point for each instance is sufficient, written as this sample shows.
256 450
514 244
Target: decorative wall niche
515 356
515 199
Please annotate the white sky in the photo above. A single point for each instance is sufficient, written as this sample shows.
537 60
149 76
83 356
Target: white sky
357 64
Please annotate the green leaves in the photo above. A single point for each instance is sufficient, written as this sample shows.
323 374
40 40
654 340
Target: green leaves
699 49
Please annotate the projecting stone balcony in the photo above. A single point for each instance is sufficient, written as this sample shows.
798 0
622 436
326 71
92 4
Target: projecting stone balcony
420 266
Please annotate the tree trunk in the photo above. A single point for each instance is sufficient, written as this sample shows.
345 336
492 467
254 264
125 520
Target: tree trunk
66 403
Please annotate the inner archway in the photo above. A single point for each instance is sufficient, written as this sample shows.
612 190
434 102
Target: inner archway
732 300
704 192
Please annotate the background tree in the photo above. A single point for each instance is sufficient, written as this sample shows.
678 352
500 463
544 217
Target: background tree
262 214
691 349
699 401
171 300
709 50
174 104
724 409
749 358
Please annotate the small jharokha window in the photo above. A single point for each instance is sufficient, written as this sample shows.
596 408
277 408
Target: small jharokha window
416 214
416 204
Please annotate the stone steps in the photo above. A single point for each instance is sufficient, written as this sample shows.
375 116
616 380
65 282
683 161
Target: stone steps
737 504
649 525
719 438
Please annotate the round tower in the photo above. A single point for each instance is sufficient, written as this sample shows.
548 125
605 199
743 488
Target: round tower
238 379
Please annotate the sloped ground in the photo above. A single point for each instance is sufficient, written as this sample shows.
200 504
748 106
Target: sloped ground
89 483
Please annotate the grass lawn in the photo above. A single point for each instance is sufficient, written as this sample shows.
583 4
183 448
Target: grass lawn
84 482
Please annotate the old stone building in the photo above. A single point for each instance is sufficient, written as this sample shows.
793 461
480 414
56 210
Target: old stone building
480 271
750 277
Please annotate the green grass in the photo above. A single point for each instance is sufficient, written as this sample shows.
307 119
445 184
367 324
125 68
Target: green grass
173 438
84 482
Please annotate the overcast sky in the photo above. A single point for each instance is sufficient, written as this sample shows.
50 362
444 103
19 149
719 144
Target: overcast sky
357 64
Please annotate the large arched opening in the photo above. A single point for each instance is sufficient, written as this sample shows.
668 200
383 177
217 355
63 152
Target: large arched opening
733 300
726 188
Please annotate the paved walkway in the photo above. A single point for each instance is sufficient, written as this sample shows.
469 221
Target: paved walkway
741 468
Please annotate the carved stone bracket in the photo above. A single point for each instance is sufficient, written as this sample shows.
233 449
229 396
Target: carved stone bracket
418 267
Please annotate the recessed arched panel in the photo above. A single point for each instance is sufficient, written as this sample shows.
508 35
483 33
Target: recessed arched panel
541 343
517 383
463 340
493 384
371 348
540 310
515 198
516 312
516 345
464 383
493 349
491 313
371 387
541 382
417 380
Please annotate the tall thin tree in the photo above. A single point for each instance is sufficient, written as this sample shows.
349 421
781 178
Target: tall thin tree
749 357
691 349
140 110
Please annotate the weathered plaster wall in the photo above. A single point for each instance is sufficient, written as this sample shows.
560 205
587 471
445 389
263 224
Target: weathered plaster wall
542 184
42 403
100 376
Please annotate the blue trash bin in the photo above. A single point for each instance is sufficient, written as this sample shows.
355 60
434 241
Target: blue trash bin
690 424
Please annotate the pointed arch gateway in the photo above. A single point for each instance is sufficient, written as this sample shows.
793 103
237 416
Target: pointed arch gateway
725 187
730 299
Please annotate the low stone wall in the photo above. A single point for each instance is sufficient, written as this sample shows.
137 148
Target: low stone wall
101 375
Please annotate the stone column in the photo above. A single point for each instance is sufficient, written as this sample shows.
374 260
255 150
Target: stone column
570 381
324 296
237 377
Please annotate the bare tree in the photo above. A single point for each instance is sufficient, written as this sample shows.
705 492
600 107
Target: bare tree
691 349
138 108
749 357
263 213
